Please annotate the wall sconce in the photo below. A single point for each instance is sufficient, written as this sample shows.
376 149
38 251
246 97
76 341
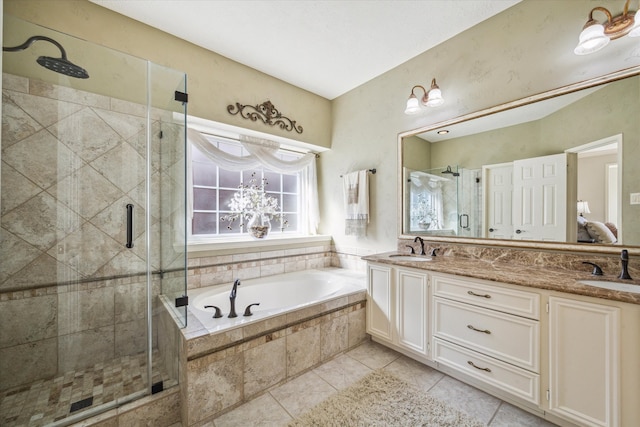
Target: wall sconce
583 207
595 36
431 98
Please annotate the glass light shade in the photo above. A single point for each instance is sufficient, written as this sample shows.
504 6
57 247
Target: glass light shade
583 207
635 29
435 98
413 105
591 39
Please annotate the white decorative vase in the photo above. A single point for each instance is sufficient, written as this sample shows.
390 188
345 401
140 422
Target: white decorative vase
424 225
259 226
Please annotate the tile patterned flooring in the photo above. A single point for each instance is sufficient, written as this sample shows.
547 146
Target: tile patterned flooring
47 401
283 403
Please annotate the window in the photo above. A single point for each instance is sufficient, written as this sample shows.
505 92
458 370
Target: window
213 187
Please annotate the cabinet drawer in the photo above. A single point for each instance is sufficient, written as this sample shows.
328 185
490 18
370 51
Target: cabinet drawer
511 379
509 338
480 293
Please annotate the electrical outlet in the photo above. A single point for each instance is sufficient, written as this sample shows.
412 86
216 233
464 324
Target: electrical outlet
635 198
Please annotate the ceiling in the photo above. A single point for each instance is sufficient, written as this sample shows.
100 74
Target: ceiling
325 47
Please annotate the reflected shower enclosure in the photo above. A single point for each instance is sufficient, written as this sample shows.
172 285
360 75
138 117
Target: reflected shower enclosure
443 201
92 225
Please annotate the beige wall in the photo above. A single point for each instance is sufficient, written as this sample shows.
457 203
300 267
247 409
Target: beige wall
592 184
213 80
525 50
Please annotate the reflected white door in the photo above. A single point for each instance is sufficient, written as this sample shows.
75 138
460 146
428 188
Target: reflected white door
541 190
499 201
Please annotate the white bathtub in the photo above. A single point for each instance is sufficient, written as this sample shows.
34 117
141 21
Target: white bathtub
276 295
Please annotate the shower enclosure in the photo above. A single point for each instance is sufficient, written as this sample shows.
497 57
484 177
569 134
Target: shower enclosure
92 224
444 201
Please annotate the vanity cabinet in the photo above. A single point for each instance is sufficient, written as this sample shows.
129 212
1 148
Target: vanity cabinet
379 301
411 310
584 362
398 308
489 332
570 358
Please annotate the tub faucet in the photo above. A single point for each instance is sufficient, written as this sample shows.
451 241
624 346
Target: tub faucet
232 298
419 239
624 260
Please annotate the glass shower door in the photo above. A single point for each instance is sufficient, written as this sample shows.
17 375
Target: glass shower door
168 181
80 208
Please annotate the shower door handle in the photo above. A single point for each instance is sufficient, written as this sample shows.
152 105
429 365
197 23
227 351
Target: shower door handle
129 226
464 224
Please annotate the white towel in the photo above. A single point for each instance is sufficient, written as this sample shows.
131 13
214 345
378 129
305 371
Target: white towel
356 203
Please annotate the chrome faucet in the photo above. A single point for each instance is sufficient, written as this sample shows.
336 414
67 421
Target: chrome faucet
232 298
419 239
624 260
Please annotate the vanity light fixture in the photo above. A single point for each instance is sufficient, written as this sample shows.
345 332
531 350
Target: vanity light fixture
431 98
442 132
595 36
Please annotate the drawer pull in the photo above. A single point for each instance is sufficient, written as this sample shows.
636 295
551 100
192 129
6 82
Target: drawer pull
478 367
485 331
479 295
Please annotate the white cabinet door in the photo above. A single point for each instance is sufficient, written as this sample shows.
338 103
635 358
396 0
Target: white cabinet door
542 188
379 302
584 362
412 310
499 201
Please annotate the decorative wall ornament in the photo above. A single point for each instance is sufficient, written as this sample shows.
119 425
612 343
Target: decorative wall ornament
267 113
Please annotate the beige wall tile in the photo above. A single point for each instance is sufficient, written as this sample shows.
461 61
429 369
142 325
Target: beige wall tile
130 302
334 336
357 327
130 337
97 346
264 366
213 385
83 310
303 350
152 411
40 357
28 320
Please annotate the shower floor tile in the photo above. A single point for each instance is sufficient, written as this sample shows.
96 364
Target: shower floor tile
45 402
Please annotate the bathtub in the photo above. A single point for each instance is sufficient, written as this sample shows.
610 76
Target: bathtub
276 295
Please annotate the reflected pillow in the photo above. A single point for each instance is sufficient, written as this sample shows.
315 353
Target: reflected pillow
600 232
611 226
583 234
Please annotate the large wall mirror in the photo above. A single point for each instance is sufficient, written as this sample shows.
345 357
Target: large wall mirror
561 167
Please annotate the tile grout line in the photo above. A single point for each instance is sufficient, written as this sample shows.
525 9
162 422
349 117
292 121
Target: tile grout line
495 413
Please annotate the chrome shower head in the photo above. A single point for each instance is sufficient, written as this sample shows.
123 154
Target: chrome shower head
59 65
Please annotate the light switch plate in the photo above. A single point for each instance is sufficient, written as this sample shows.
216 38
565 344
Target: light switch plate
635 198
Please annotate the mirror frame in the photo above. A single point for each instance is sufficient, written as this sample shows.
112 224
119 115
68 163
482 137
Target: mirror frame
573 247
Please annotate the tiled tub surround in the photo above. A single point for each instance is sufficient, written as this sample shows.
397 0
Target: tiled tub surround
219 371
274 295
550 270
204 271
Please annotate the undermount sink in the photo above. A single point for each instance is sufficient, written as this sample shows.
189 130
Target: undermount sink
614 286
400 257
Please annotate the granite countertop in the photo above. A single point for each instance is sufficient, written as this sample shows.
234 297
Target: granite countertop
532 276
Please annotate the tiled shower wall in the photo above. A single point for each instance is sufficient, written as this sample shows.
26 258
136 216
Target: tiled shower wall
71 162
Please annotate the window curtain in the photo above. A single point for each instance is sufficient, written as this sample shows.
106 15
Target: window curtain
262 153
